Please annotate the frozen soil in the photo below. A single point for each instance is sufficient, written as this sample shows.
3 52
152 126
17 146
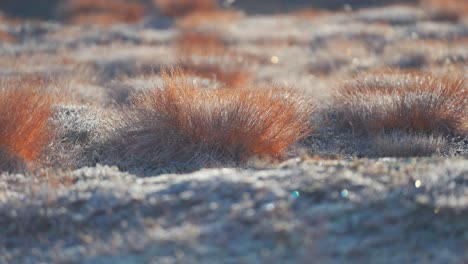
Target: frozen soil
331 211
342 206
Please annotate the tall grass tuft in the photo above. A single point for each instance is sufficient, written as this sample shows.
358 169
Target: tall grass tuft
409 102
180 125
25 130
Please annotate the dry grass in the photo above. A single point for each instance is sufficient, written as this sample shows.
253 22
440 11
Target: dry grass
412 102
181 125
278 42
184 7
25 131
231 78
408 145
5 37
200 43
193 44
450 10
196 19
53 179
103 12
103 19
346 48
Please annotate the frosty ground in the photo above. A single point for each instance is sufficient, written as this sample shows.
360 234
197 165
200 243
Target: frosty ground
333 200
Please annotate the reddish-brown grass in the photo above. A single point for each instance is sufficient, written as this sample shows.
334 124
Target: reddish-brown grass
412 102
200 18
103 12
451 10
24 127
184 7
200 43
209 44
103 19
183 125
6 37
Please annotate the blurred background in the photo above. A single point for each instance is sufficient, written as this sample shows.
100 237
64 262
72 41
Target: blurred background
54 9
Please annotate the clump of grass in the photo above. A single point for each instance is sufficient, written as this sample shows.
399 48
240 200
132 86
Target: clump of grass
200 43
177 8
410 102
103 12
25 130
193 13
213 51
183 126
446 10
192 45
195 19
408 145
6 37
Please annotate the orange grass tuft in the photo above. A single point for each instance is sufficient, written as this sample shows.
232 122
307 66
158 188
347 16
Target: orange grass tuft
24 127
103 12
184 7
411 102
182 124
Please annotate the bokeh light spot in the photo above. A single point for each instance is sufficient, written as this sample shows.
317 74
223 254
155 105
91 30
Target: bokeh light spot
295 194
417 183
274 59
344 193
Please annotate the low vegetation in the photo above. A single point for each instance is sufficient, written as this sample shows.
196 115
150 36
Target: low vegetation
185 7
230 78
197 137
181 125
25 131
449 10
197 19
193 45
102 12
408 145
5 37
221 106
190 43
409 102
